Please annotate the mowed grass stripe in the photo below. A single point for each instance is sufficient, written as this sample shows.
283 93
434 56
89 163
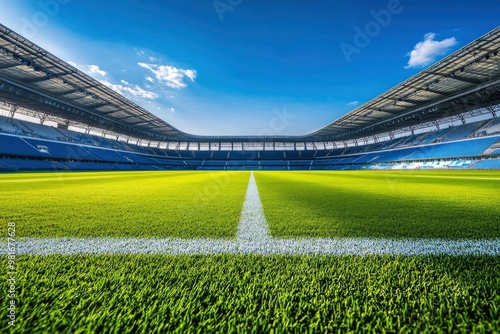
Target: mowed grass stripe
253 294
121 204
410 204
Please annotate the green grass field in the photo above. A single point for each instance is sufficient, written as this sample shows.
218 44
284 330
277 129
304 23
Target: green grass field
435 204
254 294
123 204
230 293
405 204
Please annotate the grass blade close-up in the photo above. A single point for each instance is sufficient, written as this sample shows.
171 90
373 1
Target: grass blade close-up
255 294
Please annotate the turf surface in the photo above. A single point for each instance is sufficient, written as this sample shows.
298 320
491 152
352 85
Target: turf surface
254 294
124 204
251 293
405 204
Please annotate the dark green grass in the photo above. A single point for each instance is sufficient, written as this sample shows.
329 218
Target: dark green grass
123 204
254 294
418 204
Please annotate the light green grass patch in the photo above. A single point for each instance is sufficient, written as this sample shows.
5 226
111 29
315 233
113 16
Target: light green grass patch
405 204
124 204
254 294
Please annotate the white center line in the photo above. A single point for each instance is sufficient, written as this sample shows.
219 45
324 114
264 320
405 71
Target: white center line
253 224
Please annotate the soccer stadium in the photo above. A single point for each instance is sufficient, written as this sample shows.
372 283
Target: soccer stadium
385 219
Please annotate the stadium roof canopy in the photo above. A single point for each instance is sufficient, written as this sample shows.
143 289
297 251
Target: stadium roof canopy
33 78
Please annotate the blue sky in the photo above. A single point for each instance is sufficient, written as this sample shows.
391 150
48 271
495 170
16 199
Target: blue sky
247 67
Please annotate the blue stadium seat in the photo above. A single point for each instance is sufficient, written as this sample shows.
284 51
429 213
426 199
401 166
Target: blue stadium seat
11 145
306 154
220 155
274 162
202 155
487 164
272 155
291 154
300 162
29 164
394 155
241 155
466 148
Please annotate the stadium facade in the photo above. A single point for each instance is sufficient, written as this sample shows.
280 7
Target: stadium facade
444 117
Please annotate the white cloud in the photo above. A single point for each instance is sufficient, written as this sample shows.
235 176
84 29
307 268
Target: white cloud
152 58
125 88
94 69
426 52
148 78
353 103
129 89
170 75
171 109
191 74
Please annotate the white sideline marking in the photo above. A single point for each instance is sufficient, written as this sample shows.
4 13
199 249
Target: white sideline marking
253 237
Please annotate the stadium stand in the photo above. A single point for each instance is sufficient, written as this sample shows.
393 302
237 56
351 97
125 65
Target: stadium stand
220 155
461 132
26 146
10 126
434 136
492 127
203 155
306 154
487 164
243 155
463 148
27 164
394 155
291 154
41 131
272 155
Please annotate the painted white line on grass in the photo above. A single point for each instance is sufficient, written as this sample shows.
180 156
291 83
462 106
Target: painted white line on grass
253 224
269 246
253 238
